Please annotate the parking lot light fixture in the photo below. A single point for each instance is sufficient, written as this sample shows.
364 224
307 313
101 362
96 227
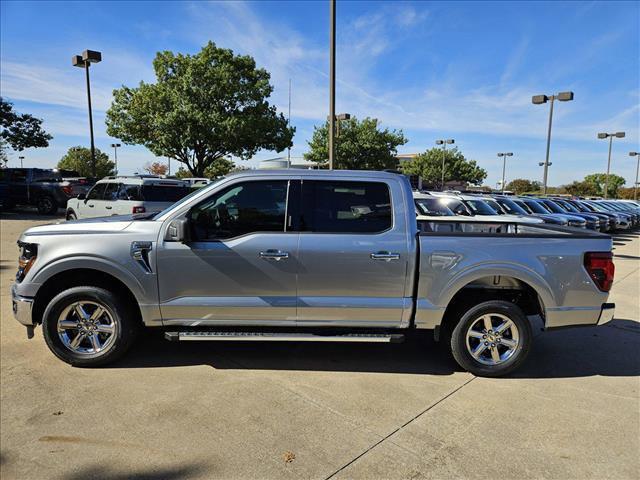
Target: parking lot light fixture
504 156
610 136
635 185
444 144
539 100
84 61
21 158
115 155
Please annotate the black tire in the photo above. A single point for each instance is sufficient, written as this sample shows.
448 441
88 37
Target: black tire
460 348
46 205
71 215
121 314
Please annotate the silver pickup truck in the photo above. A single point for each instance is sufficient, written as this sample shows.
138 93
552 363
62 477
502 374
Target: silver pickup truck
302 255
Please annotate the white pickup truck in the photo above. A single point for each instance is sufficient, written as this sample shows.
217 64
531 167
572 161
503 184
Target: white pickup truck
306 256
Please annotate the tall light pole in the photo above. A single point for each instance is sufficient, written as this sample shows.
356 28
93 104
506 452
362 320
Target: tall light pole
332 80
610 137
635 185
115 154
21 158
504 156
444 143
84 61
539 100
289 125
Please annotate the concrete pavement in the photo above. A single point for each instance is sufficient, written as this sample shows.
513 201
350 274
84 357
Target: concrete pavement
324 411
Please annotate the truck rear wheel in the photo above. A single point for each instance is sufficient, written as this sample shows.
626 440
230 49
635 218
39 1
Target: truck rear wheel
47 205
492 339
88 326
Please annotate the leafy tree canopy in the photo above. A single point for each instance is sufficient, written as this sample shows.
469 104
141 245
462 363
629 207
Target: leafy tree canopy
522 185
218 169
202 108
582 188
428 165
19 131
156 168
598 181
360 145
79 159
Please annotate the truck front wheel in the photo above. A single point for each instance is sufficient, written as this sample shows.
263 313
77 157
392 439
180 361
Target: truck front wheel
492 339
46 205
88 326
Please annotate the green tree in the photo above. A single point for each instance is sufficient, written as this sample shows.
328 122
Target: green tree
202 108
598 181
360 145
218 169
79 159
582 188
19 131
522 185
428 165
156 168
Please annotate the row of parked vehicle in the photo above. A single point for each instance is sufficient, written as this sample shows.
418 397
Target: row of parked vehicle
601 215
82 197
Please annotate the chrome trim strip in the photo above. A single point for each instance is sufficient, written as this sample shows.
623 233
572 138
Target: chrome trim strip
279 337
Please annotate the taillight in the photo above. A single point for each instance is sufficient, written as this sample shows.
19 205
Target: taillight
139 209
599 266
68 190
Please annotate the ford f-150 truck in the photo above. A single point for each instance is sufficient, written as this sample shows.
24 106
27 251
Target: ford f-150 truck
301 255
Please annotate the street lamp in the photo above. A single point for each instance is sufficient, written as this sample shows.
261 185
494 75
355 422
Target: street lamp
84 61
444 143
332 80
504 156
635 185
610 136
539 100
115 154
21 158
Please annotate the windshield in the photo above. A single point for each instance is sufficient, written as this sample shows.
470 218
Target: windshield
537 207
479 207
580 207
553 207
511 207
193 193
496 206
567 206
598 208
456 206
434 207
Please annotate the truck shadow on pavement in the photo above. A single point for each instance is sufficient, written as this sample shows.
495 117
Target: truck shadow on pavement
612 350
159 473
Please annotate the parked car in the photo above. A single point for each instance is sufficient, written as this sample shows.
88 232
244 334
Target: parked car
539 207
126 195
305 255
511 206
38 187
625 220
615 221
603 220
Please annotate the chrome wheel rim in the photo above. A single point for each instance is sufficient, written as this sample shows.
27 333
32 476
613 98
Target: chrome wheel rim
492 339
87 328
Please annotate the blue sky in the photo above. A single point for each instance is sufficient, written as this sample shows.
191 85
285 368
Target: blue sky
463 70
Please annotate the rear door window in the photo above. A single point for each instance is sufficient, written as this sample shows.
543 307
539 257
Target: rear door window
129 192
97 192
111 192
163 193
346 207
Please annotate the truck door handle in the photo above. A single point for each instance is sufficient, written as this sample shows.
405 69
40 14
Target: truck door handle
386 256
91 205
108 207
276 255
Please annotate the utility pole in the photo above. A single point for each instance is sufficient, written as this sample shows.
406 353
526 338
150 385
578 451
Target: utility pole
332 80
289 125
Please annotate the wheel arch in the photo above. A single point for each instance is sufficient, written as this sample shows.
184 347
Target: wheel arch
75 277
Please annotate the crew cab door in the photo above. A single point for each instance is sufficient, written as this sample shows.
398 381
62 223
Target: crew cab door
240 265
354 254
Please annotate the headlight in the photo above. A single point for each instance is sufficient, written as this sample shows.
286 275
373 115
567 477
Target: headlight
28 255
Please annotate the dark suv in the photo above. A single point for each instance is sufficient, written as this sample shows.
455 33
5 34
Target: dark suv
42 188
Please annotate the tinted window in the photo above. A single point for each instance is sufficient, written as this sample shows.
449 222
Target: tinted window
346 207
129 192
456 206
111 192
523 205
511 207
537 207
96 193
163 193
240 209
493 204
18 175
553 206
479 207
46 176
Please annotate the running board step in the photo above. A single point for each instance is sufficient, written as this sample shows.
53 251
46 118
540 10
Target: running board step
281 337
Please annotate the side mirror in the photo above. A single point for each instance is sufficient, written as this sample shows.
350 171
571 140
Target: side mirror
177 231
81 196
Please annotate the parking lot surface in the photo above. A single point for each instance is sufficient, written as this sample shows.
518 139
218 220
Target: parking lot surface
170 410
